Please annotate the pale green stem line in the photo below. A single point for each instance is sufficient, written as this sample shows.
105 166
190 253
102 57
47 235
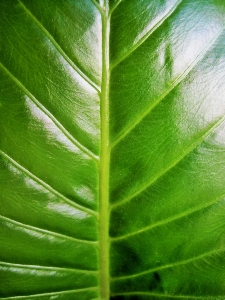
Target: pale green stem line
50 294
190 297
98 6
104 163
45 268
115 6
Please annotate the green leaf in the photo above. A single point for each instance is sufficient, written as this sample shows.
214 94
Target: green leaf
112 149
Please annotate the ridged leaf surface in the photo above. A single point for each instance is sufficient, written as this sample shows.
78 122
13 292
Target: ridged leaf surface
112 149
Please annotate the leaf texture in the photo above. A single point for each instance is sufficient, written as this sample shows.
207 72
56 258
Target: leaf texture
112 149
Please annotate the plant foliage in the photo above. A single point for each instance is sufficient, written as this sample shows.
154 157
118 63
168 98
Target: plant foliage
112 149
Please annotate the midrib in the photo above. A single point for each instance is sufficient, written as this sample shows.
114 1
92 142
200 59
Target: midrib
104 163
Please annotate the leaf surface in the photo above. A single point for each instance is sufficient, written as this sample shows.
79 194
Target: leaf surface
112 150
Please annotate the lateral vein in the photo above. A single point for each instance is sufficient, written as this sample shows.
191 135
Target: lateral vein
59 49
173 164
146 36
171 265
115 6
189 297
168 220
49 114
46 268
167 91
50 294
46 232
97 6
47 186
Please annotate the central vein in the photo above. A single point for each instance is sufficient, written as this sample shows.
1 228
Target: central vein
104 162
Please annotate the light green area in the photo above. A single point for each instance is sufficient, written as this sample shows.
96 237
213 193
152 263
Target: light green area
104 163
112 150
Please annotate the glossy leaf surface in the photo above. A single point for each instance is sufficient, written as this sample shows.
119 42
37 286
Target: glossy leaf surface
112 149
